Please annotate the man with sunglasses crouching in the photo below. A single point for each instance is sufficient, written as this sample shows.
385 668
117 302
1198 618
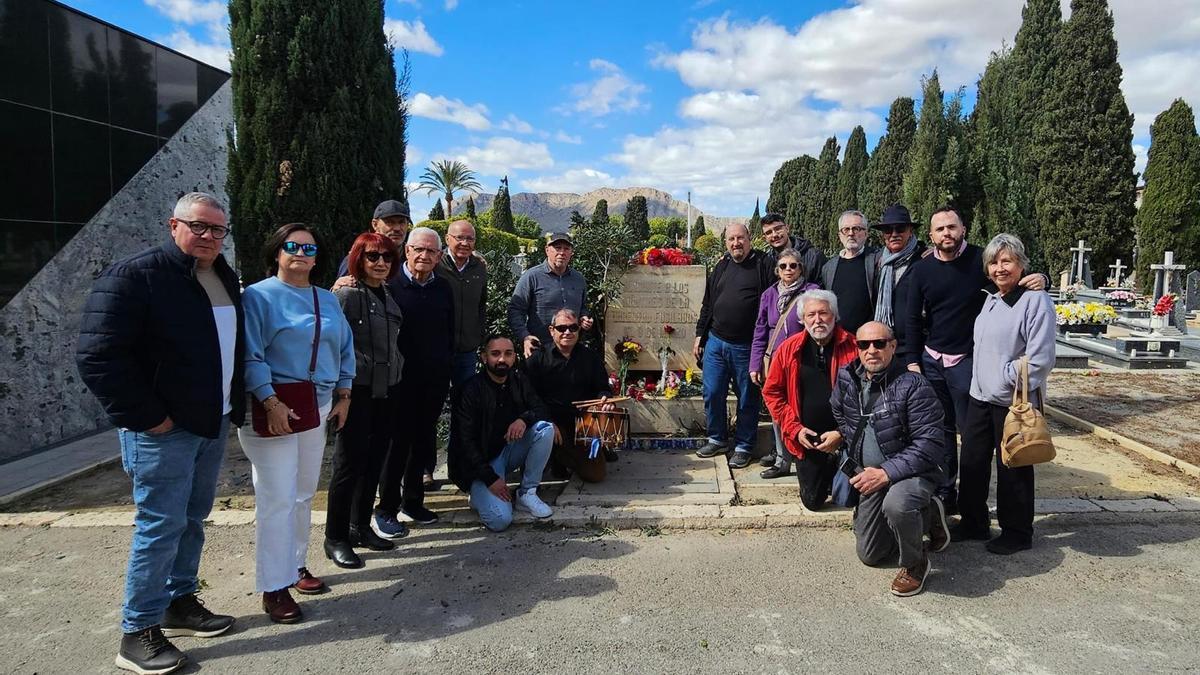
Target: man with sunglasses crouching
895 462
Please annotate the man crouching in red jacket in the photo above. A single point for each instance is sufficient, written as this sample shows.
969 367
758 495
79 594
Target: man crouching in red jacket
799 383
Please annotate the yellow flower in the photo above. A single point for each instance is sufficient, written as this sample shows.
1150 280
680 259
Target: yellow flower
687 376
670 393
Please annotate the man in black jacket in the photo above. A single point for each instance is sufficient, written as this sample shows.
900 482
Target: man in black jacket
723 335
466 274
901 250
161 347
778 236
851 274
499 424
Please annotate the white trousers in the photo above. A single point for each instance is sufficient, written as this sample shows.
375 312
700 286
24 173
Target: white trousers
286 470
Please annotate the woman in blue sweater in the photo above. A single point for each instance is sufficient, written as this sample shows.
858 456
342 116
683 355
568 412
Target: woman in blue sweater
281 329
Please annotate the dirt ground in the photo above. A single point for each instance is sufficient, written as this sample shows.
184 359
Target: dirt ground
1160 409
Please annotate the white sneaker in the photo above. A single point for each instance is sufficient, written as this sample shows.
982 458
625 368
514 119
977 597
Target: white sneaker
529 501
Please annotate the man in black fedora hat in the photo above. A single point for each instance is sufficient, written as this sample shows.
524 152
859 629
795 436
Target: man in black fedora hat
901 249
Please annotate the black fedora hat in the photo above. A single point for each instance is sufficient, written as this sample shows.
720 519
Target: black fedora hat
896 214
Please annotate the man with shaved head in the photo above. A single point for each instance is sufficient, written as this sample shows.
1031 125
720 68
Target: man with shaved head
895 462
723 336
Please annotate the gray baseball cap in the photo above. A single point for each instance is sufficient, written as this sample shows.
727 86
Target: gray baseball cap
392 207
555 237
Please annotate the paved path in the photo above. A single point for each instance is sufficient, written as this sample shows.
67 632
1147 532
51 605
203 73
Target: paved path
33 472
1113 599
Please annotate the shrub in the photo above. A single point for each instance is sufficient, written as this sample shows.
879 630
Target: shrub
658 240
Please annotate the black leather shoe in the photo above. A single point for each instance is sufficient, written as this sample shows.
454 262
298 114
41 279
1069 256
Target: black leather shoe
365 537
767 460
1007 544
342 555
960 532
148 651
774 472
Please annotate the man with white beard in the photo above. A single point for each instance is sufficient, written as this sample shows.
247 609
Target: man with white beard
851 275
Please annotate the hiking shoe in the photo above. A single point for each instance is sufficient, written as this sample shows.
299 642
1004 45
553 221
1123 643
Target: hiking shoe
740 459
148 651
529 501
187 616
419 514
910 581
939 531
711 449
307 584
1008 544
388 527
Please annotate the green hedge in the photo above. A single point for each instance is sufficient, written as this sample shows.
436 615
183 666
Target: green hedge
488 239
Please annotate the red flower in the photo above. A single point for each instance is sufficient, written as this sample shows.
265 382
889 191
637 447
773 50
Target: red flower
668 328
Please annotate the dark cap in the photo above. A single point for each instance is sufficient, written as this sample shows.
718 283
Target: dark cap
555 237
392 207
895 214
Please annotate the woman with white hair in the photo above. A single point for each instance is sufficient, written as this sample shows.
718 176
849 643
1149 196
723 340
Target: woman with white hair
1015 322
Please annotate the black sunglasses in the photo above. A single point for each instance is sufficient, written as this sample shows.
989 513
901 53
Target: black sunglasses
567 328
880 343
374 256
892 229
788 266
294 247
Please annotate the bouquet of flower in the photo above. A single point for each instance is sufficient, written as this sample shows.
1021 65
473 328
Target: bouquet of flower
627 351
1164 305
1121 295
1077 313
664 354
658 257
1071 291
680 384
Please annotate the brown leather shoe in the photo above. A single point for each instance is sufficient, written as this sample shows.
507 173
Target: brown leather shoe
910 581
280 606
308 584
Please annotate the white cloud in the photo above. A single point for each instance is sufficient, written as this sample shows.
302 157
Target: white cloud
473 117
1160 57
215 53
451 5
578 181
501 155
516 125
191 11
411 36
563 137
612 90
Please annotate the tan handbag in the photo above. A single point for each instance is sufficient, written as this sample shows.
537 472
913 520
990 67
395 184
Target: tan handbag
1026 440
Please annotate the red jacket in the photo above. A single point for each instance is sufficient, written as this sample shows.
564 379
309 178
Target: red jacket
781 391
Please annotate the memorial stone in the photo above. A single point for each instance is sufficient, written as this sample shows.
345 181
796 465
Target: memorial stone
651 298
1081 270
1192 301
1167 281
1117 268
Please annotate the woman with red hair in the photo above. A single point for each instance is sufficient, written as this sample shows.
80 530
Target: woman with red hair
374 319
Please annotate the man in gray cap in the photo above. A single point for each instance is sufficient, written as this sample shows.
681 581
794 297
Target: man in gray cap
392 220
543 290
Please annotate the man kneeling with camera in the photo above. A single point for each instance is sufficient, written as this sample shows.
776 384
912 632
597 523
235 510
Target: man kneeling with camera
894 421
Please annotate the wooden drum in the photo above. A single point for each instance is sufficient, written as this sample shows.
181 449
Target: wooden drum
596 431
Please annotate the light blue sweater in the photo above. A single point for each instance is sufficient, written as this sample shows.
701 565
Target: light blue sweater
1020 323
279 335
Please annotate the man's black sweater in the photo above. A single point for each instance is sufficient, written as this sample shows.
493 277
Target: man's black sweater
731 294
943 300
427 336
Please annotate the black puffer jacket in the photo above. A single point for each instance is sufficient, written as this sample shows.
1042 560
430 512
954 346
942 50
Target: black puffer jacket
811 256
148 344
907 419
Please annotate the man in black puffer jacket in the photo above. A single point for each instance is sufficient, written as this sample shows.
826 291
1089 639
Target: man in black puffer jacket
894 421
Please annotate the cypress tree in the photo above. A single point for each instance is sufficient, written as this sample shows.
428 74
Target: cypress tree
437 212
600 213
924 190
786 177
802 171
992 154
1169 218
885 169
578 222
502 217
816 211
1086 185
958 174
470 210
320 117
854 166
698 229
636 217
755 224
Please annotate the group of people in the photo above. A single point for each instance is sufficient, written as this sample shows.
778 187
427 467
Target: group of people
875 363
176 352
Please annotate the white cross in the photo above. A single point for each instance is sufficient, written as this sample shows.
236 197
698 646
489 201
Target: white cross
1117 268
1167 270
1081 249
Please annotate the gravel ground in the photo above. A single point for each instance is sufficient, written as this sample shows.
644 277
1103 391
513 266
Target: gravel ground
1088 598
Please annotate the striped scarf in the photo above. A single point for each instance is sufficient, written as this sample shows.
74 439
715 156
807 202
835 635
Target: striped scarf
887 281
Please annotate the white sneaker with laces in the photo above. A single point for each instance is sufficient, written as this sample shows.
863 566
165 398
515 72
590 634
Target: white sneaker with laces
529 501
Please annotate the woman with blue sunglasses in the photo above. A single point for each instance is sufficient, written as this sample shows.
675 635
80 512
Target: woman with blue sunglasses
299 371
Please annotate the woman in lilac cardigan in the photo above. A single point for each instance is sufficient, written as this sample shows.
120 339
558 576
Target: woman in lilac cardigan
776 301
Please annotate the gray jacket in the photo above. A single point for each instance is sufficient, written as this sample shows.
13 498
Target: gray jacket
871 264
469 288
1008 327
374 325
539 294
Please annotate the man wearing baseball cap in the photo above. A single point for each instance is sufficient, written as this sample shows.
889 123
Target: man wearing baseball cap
391 219
543 290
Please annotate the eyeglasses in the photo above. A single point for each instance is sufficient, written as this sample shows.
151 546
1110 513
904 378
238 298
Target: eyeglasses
295 247
199 227
852 230
864 345
465 240
374 256
891 229
789 266
567 328
421 250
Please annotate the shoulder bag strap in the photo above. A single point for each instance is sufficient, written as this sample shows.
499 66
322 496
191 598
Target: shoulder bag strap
312 362
1021 390
771 345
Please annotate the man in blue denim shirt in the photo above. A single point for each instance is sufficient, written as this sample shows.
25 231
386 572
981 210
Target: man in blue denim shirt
161 346
543 290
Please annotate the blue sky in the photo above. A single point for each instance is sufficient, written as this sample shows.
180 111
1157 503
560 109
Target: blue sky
701 95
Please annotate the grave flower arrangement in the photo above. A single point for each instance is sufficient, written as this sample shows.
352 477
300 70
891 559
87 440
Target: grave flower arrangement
657 257
1081 313
665 352
627 351
1164 305
1122 296
1068 293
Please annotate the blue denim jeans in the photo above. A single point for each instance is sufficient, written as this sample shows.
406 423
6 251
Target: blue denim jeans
953 388
725 362
462 367
529 453
174 481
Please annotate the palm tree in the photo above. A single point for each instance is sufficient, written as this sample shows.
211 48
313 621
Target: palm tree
445 177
